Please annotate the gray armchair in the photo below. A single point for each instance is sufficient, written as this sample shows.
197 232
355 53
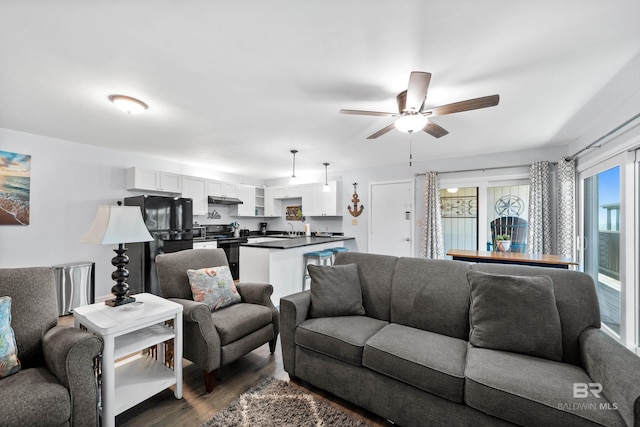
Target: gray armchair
56 384
212 340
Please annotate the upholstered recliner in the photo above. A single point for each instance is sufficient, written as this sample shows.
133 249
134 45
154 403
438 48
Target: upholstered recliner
56 384
214 339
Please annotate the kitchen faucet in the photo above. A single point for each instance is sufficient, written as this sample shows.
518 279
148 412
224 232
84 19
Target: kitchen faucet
290 232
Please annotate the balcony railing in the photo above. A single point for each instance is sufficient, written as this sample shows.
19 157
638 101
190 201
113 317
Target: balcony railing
609 253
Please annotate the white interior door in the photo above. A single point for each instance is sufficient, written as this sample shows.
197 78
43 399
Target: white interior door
391 218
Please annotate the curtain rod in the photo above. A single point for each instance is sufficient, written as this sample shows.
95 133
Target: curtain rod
484 169
611 132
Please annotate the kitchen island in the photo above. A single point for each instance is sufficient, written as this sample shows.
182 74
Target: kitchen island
279 261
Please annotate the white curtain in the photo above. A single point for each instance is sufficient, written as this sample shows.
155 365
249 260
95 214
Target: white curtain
432 241
539 235
566 207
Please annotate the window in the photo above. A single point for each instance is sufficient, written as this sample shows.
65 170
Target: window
459 210
602 241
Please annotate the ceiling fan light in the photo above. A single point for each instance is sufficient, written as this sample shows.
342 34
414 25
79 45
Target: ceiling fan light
128 104
411 122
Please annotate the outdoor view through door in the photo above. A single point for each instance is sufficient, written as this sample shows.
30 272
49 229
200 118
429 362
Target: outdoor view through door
459 210
602 241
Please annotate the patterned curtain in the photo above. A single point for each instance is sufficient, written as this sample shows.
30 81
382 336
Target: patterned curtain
566 207
539 236
433 243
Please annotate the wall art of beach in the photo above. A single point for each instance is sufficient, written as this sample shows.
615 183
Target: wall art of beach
15 187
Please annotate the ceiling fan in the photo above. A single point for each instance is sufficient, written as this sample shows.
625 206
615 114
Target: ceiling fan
411 115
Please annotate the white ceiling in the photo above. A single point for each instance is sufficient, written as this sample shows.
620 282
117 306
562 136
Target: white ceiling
237 84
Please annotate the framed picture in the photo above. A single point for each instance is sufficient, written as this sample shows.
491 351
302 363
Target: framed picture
15 187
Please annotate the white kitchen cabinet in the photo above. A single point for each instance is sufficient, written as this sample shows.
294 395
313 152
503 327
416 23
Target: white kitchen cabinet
153 180
316 202
259 201
287 192
209 244
272 206
247 194
222 189
196 189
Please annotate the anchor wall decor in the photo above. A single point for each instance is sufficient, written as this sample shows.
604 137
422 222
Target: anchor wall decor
355 211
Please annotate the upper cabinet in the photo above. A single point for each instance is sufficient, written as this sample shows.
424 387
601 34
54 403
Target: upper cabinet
196 189
317 202
247 194
153 180
222 189
287 192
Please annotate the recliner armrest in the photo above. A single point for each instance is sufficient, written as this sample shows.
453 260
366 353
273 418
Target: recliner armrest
294 309
69 354
256 293
193 311
616 368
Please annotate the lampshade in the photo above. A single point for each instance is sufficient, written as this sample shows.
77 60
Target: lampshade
128 104
411 123
117 224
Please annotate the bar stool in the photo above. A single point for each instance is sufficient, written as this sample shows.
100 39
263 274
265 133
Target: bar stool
322 257
335 251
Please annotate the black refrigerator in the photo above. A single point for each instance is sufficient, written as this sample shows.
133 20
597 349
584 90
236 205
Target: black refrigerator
170 222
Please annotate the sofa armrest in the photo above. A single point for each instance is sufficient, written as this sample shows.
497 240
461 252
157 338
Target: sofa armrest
294 309
616 368
260 293
69 354
201 342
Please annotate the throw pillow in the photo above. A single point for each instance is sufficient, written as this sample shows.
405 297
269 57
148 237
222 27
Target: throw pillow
335 291
213 286
515 313
9 362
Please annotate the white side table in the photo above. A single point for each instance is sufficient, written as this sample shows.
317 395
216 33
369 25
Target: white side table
126 332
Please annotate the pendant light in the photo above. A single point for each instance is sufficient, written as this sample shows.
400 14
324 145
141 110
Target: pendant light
293 180
326 187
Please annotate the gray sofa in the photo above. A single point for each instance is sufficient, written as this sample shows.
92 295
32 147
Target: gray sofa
56 384
425 351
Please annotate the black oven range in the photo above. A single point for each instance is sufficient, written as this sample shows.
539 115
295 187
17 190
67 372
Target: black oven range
224 236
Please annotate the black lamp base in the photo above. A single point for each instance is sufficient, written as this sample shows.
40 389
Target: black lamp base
120 290
116 302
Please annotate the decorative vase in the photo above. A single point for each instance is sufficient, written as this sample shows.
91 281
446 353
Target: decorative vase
236 232
503 245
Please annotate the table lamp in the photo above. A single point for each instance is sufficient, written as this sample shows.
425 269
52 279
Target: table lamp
118 225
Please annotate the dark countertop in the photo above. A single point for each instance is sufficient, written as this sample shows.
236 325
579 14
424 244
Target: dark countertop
296 242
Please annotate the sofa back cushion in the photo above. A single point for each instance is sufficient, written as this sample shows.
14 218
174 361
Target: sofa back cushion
432 295
576 301
376 272
34 309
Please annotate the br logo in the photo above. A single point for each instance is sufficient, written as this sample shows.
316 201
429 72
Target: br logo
582 390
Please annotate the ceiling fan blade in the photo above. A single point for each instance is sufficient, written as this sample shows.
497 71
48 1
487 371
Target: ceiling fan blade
368 113
417 89
382 131
469 104
435 130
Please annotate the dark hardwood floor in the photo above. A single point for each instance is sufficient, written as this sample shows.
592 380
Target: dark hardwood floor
196 406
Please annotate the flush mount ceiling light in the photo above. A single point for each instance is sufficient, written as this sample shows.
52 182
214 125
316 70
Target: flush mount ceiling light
326 187
411 122
128 104
293 180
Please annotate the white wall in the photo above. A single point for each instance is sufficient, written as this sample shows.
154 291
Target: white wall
69 180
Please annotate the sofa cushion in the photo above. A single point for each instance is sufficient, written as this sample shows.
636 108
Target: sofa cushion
9 362
34 397
340 337
429 361
432 295
213 286
515 313
238 320
376 272
335 291
528 390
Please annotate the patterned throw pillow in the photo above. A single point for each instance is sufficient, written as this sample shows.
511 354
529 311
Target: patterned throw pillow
213 286
9 362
